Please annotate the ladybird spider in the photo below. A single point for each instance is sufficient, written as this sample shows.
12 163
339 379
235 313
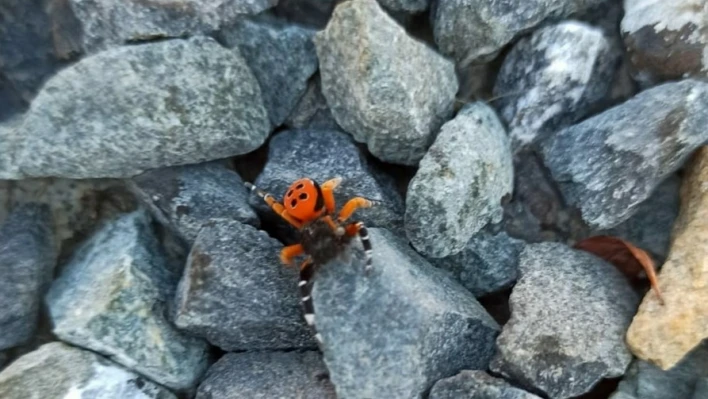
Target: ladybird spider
309 207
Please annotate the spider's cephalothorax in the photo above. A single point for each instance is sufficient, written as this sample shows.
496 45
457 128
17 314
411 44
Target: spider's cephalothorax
310 207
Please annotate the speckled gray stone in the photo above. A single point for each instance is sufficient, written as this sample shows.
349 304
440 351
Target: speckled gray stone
57 370
281 56
476 384
401 327
27 259
109 23
185 197
263 375
312 111
236 293
570 312
377 82
407 6
644 380
628 150
460 182
172 102
553 78
476 30
112 298
314 13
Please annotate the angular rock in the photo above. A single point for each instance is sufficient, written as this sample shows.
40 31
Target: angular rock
407 6
27 259
476 385
553 78
646 381
476 30
488 263
701 391
185 197
314 13
56 370
401 327
267 375
459 185
107 23
312 112
236 293
627 151
10 101
381 92
569 314
281 56
8 147
322 155
666 40
664 334
112 298
161 95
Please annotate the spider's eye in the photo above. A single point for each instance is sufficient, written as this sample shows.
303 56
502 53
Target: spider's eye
293 203
303 196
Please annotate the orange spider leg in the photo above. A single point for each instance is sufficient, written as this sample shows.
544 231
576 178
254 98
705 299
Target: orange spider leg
328 193
288 253
275 205
352 205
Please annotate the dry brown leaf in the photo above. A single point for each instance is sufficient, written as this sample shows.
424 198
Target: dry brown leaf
623 255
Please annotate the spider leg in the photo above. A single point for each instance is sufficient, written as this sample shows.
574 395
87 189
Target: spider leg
288 253
274 205
358 228
328 193
354 204
307 271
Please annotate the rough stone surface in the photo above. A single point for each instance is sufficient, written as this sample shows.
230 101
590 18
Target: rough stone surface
237 294
643 380
56 370
112 298
281 56
476 30
264 375
401 327
488 263
109 23
322 155
27 259
553 78
664 334
624 156
569 314
312 112
666 40
185 197
407 6
460 182
476 385
314 13
379 92
161 95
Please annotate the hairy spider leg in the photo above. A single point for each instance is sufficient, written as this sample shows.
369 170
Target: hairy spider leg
354 204
274 205
358 228
288 253
307 271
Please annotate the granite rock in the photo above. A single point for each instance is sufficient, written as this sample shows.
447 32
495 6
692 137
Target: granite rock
476 384
460 182
376 80
569 314
112 298
312 13
312 111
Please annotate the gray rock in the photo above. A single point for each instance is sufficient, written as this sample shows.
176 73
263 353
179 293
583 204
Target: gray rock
27 259
112 298
553 78
476 385
281 56
647 381
488 263
627 151
185 197
377 82
569 314
160 95
8 147
701 391
314 13
322 155
401 327
107 23
237 294
11 102
476 30
267 375
459 185
665 40
407 6
56 370
312 112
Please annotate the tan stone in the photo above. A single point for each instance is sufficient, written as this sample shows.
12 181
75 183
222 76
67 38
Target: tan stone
664 334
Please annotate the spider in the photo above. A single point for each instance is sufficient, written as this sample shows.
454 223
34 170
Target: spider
309 207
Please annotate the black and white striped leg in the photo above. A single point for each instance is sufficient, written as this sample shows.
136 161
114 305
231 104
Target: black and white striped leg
366 243
307 271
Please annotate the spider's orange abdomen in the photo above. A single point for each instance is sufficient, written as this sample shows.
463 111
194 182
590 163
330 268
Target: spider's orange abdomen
303 200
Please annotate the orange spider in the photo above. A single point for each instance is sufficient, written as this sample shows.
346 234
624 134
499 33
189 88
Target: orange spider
309 207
